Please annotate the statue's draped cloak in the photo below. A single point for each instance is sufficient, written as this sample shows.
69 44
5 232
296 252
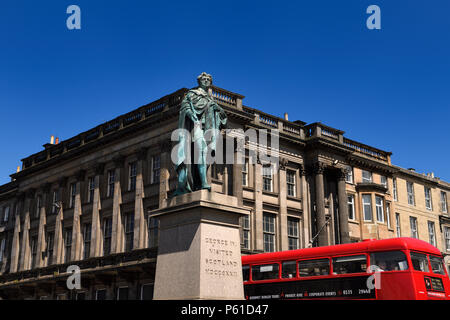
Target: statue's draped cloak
211 116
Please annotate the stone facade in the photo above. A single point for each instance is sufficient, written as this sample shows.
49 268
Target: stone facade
107 183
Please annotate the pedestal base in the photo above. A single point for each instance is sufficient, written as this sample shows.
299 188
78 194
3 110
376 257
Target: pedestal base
199 254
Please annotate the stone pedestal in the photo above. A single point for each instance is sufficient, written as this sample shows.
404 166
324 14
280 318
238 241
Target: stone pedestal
199 254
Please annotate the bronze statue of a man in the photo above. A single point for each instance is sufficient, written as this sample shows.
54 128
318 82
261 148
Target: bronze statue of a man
199 113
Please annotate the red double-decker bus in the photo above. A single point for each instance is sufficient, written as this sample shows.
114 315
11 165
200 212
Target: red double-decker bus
391 269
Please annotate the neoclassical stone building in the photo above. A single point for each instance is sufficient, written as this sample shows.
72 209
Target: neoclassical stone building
88 200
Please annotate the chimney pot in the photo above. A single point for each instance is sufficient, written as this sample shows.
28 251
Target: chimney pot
52 139
286 117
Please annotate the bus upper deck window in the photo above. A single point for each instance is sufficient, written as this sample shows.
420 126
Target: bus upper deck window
350 264
288 269
311 268
245 273
437 265
265 272
389 261
419 262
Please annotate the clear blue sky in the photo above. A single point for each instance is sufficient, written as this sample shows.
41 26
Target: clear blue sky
316 60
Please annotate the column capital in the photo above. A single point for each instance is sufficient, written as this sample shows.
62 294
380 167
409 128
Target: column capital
283 163
30 193
319 167
62 182
342 174
119 161
302 170
165 146
142 153
99 168
47 187
80 175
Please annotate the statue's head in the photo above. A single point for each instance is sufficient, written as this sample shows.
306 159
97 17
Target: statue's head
204 80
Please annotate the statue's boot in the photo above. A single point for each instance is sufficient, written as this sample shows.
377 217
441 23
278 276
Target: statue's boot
183 185
203 179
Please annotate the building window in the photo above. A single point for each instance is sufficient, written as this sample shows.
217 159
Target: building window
122 293
413 225
397 223
267 178
111 181
156 168
379 205
245 173
2 249
55 202
81 296
107 231
86 240
383 181
410 192
428 203
132 176
367 207
153 232
129 231
6 214
443 201
100 294
91 189
388 214
290 180
349 174
61 296
432 233
269 232
244 222
351 207
33 249
147 291
447 238
67 244
366 176
293 233
394 187
38 206
73 192
49 248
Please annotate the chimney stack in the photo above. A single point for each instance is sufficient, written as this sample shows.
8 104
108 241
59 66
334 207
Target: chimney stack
52 139
57 140
286 117
18 169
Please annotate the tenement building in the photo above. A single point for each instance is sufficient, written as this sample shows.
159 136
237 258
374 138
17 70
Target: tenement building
88 201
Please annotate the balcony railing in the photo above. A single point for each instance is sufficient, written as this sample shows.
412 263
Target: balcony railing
112 260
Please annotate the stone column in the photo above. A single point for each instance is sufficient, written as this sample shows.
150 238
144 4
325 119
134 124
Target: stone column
42 223
343 208
282 201
77 237
237 174
58 240
16 240
258 220
139 214
96 233
320 205
306 212
164 173
25 245
225 179
117 235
